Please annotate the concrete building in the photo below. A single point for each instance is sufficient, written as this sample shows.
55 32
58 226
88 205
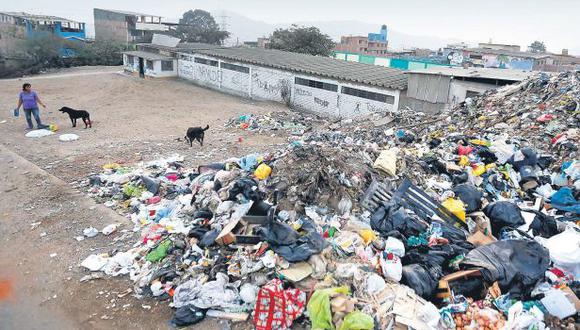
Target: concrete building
320 85
439 87
373 44
126 26
504 47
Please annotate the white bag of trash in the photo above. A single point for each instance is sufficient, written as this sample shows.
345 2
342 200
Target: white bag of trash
68 137
39 133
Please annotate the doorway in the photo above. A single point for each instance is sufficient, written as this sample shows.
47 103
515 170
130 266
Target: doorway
141 68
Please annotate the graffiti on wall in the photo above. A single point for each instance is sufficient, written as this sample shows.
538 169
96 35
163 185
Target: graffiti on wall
321 102
186 69
302 92
507 62
207 74
267 86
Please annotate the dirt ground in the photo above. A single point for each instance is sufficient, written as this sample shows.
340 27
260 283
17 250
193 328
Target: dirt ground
42 208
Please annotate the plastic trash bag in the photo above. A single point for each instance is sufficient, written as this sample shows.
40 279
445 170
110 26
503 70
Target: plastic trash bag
263 171
391 266
319 307
159 252
523 157
151 184
357 321
289 244
39 133
469 195
456 207
564 200
68 137
517 265
564 250
393 216
423 280
187 315
503 214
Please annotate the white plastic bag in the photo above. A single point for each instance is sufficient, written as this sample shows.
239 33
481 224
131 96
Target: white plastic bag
395 246
391 266
39 133
565 250
68 137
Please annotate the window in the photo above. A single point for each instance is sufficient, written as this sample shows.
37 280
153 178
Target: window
316 84
205 61
166 65
149 65
234 67
369 95
130 60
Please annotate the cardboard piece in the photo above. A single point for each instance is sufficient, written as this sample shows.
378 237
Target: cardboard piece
558 304
297 272
479 239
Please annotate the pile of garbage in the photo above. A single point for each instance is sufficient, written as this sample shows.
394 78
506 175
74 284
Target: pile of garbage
295 123
461 223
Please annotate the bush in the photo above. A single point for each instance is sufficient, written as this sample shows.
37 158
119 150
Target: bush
41 53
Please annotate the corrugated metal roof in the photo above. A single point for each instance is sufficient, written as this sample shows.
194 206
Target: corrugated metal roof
314 65
486 73
148 55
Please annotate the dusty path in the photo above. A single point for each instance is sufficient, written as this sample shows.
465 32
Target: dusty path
41 210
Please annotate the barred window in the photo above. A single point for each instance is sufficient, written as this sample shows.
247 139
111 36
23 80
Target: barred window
166 65
369 95
316 84
234 67
205 61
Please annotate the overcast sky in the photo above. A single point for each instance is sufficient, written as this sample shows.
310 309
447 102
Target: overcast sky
556 22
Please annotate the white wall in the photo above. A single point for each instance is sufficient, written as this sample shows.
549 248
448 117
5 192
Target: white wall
319 101
353 106
458 89
275 85
156 72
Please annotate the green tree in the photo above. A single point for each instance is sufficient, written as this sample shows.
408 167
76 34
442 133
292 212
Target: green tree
199 26
537 47
301 39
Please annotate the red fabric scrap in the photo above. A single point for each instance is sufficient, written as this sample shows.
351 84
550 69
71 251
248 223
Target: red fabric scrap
277 308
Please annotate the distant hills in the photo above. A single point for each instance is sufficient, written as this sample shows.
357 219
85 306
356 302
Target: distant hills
247 29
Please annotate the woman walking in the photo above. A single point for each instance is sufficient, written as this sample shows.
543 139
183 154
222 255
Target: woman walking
29 101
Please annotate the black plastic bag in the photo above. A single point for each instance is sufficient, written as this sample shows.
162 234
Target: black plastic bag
503 214
248 188
393 216
151 184
187 315
543 225
288 243
517 265
208 238
530 158
469 195
423 280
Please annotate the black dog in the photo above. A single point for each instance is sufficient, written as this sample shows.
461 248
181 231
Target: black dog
195 133
76 114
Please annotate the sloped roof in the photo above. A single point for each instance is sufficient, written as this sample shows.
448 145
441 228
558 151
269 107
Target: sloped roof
314 65
485 73
34 17
148 55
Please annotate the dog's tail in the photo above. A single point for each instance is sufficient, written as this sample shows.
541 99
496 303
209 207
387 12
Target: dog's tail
206 128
